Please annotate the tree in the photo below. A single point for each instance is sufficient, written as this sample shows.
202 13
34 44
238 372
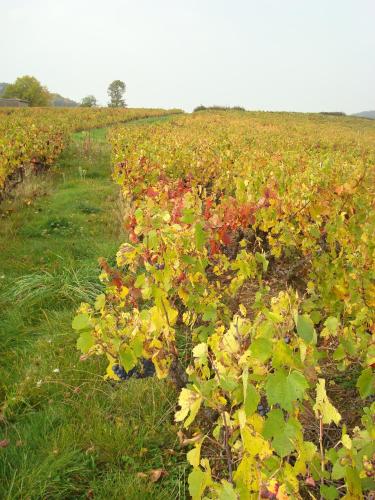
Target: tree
89 102
29 89
116 92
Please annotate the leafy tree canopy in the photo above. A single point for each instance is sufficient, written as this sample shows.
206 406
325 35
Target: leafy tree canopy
116 91
89 102
30 89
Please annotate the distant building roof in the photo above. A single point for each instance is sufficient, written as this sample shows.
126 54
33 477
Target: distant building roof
13 102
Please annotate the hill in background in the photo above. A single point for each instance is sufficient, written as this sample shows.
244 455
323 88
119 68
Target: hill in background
366 114
3 87
63 102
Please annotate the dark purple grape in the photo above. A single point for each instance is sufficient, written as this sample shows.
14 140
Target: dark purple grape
146 369
287 339
120 372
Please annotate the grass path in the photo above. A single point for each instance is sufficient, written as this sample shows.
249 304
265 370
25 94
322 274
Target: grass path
69 433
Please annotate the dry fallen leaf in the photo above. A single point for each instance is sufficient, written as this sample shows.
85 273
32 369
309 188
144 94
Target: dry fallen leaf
4 443
169 451
156 474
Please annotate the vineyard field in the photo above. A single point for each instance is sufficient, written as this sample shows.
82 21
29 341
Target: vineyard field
187 305
34 137
248 280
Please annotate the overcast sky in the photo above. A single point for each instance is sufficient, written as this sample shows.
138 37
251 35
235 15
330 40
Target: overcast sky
297 55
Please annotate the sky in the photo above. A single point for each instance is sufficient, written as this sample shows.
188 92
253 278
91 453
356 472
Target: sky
292 55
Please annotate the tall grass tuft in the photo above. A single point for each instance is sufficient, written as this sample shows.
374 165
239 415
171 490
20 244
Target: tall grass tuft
66 285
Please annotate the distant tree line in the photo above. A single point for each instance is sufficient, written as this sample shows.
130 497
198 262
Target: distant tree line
333 113
29 89
218 108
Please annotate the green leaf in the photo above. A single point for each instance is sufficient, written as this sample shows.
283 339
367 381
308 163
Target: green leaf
81 322
227 493
332 324
137 346
283 434
305 328
140 281
282 355
299 383
366 383
331 455
261 349
284 441
274 423
188 216
206 387
339 353
338 471
278 391
329 492
283 389
210 313
85 341
260 257
252 399
127 358
200 236
353 483
197 483
316 317
228 383
139 215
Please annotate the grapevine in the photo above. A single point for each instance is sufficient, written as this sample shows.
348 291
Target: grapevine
36 136
251 235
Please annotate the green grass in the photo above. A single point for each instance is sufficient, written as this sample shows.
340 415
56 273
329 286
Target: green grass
71 434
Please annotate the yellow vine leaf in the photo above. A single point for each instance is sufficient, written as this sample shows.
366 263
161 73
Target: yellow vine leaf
323 408
194 455
189 401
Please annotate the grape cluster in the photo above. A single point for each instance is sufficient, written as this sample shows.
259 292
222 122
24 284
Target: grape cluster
159 267
263 409
147 369
121 373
